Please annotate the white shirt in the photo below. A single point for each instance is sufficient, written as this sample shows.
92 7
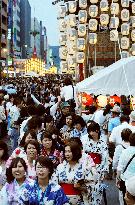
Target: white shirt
98 117
115 136
118 150
124 159
67 92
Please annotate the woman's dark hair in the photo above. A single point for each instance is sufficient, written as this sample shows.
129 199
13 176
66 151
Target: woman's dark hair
13 164
32 133
48 119
73 117
132 139
76 139
33 142
79 120
67 81
4 146
45 162
33 123
107 109
40 110
76 150
125 134
31 109
48 135
124 118
94 127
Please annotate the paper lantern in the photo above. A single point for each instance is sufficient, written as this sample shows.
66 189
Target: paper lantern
81 44
63 39
92 38
87 99
63 52
125 3
82 16
113 35
83 4
104 5
125 29
81 30
115 1
124 54
62 25
114 22
71 61
114 99
104 19
62 10
72 6
125 15
133 49
133 8
133 35
80 56
133 21
72 20
63 65
114 8
102 101
72 32
124 43
72 48
93 11
93 24
93 1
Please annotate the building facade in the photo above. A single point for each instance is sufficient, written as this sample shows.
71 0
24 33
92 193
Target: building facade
3 29
35 28
25 28
16 29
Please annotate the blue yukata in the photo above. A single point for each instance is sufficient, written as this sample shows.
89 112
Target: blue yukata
33 195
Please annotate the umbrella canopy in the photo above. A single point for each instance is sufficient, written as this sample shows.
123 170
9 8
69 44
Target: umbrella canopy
118 78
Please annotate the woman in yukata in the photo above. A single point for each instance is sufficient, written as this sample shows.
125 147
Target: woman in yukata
19 151
80 127
49 149
32 150
16 180
97 149
43 192
76 176
3 159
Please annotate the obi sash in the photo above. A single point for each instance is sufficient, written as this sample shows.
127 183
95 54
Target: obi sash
96 157
69 189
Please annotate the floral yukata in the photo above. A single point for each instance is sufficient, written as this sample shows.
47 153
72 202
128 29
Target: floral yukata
10 193
82 172
99 152
56 156
33 195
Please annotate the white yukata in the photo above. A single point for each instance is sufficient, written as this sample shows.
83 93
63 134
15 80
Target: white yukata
99 147
83 170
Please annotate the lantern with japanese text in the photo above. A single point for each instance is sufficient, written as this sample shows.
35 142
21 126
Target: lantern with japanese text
62 11
124 43
80 56
63 52
125 29
104 5
113 35
114 99
82 16
72 6
124 54
81 30
104 19
93 11
115 8
81 44
83 4
93 23
72 20
92 38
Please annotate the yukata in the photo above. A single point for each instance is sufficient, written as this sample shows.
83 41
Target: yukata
99 152
10 193
77 133
33 195
83 173
66 131
56 156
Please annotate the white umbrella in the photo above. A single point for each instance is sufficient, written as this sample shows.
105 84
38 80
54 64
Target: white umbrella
118 78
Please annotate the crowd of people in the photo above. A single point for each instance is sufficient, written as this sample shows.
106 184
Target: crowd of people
50 154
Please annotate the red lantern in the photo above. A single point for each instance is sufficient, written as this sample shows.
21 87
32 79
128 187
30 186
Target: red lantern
114 99
87 99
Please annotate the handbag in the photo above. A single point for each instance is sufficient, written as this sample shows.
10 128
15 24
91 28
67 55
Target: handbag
122 183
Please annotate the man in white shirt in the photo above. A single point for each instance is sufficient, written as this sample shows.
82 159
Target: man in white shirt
115 136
